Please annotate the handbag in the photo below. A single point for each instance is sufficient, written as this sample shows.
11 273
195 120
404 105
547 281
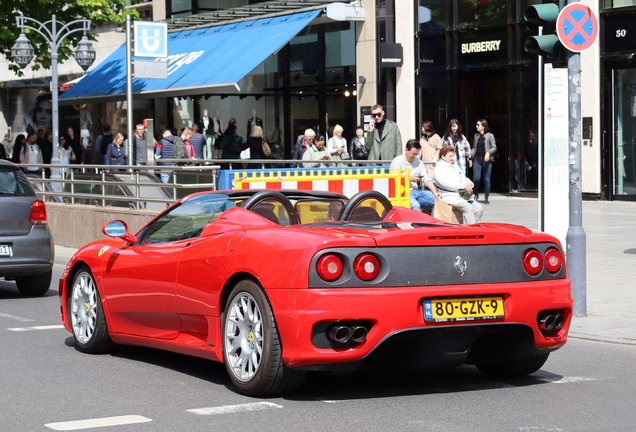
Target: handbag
464 194
266 150
246 154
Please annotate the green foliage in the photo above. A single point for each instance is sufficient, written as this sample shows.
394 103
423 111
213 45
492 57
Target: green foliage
98 11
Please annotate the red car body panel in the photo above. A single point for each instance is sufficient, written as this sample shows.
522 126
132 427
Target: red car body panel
171 295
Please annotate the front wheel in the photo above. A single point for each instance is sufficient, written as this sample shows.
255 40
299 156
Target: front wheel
86 315
251 346
516 367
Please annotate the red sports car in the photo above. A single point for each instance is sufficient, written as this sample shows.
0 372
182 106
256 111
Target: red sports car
278 283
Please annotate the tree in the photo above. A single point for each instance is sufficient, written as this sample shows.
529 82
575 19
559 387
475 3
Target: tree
98 11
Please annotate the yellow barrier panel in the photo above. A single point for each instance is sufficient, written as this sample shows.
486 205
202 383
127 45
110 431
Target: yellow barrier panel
394 184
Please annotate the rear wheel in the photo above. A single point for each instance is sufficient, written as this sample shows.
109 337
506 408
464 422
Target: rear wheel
37 284
516 367
251 346
86 315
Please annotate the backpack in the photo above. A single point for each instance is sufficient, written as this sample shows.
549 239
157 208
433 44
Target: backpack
103 146
236 145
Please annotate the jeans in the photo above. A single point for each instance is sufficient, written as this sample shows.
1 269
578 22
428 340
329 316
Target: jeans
479 166
165 177
422 198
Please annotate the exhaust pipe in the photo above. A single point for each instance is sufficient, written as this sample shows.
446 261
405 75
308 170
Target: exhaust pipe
559 321
546 322
339 334
358 334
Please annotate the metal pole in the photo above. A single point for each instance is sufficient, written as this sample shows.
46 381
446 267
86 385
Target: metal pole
541 205
56 173
575 239
129 98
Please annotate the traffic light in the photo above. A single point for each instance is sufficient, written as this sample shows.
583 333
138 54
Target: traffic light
547 45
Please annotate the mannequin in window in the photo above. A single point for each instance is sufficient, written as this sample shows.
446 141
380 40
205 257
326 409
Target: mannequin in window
207 127
254 121
217 131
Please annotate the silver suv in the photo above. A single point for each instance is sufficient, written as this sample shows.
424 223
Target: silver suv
26 245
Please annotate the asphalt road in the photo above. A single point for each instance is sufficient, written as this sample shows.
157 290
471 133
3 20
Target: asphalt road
47 385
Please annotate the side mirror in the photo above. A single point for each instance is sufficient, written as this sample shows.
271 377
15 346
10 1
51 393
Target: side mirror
119 229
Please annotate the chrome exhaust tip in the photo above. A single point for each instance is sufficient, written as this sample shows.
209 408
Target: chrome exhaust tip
339 334
559 321
546 322
358 334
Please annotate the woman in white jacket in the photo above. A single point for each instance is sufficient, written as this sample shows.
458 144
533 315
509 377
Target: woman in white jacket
449 179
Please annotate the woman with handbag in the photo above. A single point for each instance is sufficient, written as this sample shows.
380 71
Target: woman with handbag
115 153
358 149
484 148
455 188
337 146
258 147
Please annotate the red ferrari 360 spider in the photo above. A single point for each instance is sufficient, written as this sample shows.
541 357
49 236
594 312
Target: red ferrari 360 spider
277 283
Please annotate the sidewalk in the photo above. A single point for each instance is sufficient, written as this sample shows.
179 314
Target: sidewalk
610 256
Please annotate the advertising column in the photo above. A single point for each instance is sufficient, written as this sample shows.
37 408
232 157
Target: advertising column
555 153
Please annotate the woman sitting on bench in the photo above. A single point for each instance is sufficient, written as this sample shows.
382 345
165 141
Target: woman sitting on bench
455 188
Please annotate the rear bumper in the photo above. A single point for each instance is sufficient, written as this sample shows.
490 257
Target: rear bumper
399 331
32 253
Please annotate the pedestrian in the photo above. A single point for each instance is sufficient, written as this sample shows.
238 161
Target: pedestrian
232 144
139 146
46 147
116 153
197 141
431 144
180 146
316 153
102 142
65 155
302 144
165 150
456 138
255 144
455 188
385 142
75 145
31 154
484 149
337 146
410 160
18 147
357 147
6 143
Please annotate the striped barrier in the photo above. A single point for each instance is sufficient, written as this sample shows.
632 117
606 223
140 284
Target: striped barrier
393 184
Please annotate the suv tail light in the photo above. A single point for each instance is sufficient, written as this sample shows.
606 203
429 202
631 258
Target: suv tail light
532 262
329 267
38 213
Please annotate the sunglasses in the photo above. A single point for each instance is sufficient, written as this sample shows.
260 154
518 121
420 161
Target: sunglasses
376 114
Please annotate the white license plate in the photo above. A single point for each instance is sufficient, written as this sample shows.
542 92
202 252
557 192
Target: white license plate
5 250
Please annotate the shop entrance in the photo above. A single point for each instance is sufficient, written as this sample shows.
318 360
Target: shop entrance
623 148
484 94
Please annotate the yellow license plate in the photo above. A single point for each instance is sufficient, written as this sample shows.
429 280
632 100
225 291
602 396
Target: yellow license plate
463 309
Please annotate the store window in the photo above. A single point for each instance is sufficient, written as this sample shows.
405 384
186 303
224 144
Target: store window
481 13
624 131
431 16
613 4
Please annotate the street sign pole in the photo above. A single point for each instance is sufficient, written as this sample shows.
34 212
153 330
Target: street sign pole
129 90
577 28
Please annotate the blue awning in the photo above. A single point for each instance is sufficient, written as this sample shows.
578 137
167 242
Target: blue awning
197 60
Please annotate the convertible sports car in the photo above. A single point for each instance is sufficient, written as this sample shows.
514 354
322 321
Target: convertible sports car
277 283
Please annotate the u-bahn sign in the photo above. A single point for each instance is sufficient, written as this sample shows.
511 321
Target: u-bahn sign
577 27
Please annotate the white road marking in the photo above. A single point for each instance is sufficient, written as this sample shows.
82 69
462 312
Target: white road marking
13 317
573 379
47 327
98 422
231 409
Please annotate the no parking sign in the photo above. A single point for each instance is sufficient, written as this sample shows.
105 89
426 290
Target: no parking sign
577 27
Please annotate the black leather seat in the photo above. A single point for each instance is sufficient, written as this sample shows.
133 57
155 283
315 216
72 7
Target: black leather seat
267 213
364 214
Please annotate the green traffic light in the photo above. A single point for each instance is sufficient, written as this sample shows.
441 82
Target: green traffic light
542 14
548 46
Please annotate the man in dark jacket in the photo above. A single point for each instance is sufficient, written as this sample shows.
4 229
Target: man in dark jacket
165 150
303 143
197 141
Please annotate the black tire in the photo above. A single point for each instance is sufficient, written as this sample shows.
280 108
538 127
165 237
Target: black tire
252 351
515 368
86 315
32 285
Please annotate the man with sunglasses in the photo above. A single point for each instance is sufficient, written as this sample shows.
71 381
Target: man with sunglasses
385 142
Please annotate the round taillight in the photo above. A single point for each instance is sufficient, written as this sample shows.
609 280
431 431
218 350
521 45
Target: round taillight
532 262
366 267
329 267
553 260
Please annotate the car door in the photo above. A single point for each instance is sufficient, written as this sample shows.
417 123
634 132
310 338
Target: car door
140 280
